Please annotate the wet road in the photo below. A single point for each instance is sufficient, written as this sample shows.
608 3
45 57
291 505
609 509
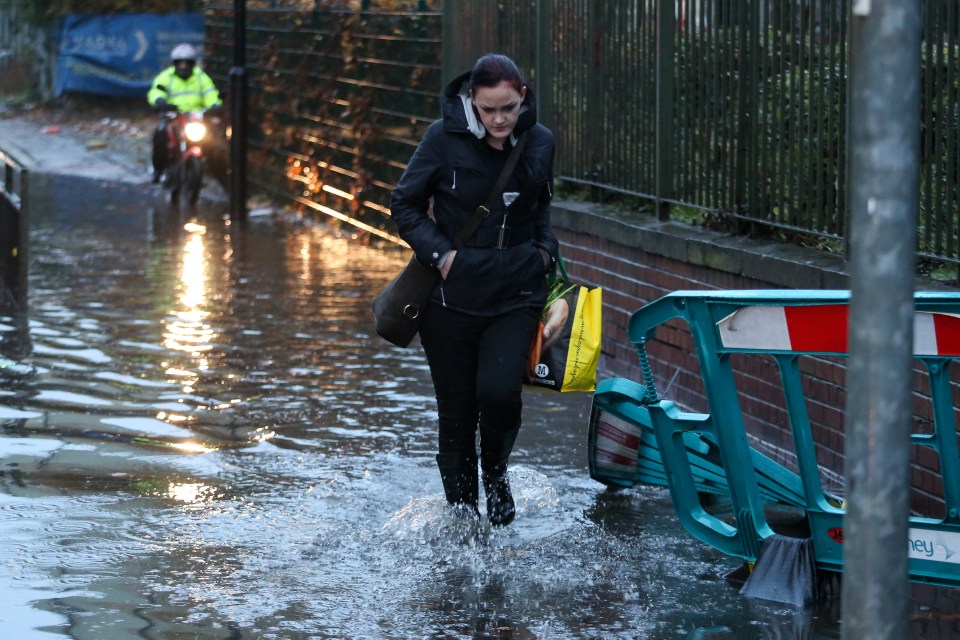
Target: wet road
208 441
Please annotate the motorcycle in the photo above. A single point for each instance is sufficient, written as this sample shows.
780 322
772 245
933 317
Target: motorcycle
186 133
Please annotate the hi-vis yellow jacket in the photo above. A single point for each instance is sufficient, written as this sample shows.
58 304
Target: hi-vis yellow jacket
193 94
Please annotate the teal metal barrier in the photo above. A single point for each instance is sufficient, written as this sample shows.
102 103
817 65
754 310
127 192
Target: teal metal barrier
637 437
624 453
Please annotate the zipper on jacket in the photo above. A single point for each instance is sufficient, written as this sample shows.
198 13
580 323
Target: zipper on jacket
502 236
454 179
443 298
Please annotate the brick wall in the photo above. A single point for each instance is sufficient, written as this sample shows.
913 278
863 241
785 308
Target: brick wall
637 259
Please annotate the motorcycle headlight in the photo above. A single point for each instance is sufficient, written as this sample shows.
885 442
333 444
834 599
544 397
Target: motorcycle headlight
195 131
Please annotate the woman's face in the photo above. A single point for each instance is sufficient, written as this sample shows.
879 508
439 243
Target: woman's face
499 108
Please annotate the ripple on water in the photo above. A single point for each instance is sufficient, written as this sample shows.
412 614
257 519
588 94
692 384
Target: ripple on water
57 397
132 380
148 427
49 542
89 355
34 511
9 413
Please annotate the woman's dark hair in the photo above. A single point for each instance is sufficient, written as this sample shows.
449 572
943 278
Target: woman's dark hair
492 69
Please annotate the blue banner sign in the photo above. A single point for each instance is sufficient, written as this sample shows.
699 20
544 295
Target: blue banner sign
119 55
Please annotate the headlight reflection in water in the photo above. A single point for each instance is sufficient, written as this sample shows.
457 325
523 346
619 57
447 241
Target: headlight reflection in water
189 332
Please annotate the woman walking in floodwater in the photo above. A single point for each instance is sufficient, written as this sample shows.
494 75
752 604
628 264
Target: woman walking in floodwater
485 310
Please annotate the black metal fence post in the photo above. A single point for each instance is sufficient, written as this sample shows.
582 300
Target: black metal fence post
665 149
545 73
238 115
14 253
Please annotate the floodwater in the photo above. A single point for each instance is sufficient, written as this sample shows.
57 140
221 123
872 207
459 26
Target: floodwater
207 440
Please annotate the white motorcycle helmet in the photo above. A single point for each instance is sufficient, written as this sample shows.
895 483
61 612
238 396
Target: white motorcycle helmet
184 52
184 58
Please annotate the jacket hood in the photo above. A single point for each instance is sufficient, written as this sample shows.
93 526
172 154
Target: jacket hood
460 116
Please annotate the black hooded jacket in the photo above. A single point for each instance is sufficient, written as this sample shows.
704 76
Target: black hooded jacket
456 168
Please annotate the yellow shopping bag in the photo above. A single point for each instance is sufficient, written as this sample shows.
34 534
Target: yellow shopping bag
568 361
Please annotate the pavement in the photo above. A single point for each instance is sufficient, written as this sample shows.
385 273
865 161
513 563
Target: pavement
116 152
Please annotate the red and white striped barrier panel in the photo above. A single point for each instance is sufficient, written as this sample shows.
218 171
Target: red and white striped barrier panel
823 329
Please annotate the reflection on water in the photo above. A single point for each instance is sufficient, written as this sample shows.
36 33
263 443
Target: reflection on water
187 331
208 441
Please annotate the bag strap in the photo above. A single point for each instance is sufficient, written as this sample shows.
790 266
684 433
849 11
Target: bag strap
553 278
563 268
484 210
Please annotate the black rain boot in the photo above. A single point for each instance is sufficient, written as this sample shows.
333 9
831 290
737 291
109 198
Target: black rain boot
458 472
495 448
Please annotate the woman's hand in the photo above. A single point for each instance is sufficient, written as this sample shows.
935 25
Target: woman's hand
447 263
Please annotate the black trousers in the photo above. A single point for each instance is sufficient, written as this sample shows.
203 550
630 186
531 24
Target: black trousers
478 366
162 154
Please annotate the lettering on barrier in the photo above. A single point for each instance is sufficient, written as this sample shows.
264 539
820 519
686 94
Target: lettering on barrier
928 544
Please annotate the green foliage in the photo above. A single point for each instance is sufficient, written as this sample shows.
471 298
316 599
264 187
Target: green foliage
616 201
689 215
939 271
567 190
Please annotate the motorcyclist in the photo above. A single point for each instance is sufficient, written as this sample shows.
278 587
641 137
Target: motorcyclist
183 86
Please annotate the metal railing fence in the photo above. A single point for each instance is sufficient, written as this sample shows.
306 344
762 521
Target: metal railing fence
27 50
732 108
8 31
339 99
15 43
736 110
